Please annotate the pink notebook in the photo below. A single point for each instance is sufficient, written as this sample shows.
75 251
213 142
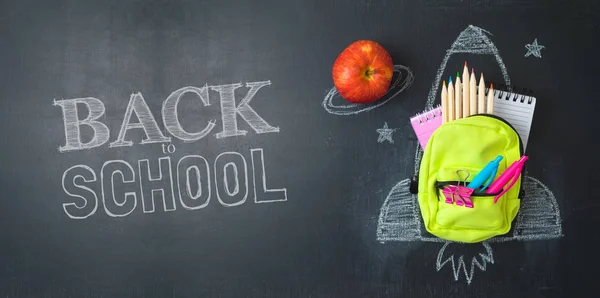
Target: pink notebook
424 124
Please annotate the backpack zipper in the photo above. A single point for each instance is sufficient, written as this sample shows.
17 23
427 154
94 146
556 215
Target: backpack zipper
441 184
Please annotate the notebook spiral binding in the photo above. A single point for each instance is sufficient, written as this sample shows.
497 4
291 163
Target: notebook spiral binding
514 89
513 96
501 94
428 115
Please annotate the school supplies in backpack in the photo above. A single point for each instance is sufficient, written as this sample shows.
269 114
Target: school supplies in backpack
454 155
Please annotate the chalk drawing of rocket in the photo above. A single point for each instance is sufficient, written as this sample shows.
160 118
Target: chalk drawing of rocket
400 218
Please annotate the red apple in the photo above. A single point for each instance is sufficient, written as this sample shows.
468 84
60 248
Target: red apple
363 71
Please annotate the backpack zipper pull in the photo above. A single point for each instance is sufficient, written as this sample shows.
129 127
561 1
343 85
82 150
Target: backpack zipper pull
414 185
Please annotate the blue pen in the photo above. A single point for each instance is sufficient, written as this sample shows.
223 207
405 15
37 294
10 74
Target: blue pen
487 174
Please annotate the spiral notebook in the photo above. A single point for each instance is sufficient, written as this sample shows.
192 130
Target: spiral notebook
425 123
515 108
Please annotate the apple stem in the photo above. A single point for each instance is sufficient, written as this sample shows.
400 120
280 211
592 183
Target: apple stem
370 72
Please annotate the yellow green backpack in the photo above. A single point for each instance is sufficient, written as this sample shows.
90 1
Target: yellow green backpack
467 145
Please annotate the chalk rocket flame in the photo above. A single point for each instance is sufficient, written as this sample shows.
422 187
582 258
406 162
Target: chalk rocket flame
459 266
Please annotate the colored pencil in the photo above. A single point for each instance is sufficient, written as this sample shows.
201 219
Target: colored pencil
473 93
450 100
465 92
444 103
481 98
458 98
490 100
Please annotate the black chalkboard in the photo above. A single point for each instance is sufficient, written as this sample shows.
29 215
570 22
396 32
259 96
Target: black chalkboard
234 94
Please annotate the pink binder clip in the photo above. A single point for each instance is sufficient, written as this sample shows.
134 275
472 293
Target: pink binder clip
460 194
464 193
449 192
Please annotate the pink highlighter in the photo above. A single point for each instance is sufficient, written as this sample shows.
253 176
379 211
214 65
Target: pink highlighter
510 175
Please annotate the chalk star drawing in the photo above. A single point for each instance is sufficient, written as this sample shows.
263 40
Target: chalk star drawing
385 133
400 218
534 49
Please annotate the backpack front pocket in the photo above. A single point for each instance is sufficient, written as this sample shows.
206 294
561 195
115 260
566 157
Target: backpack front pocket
484 214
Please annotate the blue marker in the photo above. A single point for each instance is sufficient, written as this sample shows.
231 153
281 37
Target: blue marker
487 174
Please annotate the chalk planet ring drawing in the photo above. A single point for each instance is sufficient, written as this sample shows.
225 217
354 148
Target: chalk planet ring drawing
400 219
401 83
